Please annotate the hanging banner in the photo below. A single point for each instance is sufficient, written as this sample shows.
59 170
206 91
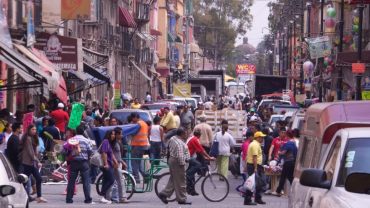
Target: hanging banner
365 95
182 90
76 9
31 39
245 69
319 47
117 94
76 115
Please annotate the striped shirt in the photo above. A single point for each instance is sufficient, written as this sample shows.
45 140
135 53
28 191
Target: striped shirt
85 149
178 149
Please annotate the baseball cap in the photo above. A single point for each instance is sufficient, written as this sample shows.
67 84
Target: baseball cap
259 134
60 105
253 118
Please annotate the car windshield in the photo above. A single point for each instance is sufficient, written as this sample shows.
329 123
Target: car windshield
275 102
356 159
122 116
191 102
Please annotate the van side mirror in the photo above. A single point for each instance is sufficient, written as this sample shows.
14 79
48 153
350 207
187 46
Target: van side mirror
315 178
358 183
6 190
22 178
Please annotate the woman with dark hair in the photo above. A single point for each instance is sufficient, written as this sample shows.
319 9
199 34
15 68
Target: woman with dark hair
30 162
109 163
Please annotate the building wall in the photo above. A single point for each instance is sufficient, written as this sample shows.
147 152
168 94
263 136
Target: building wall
163 27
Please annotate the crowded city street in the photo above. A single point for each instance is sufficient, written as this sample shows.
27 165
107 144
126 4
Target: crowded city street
185 103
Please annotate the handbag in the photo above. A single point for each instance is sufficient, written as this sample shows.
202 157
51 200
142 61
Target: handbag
96 158
250 183
213 152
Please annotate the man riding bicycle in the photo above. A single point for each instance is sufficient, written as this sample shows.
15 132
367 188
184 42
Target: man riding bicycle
197 161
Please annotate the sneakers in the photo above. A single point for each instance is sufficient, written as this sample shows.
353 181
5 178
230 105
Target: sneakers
41 200
105 201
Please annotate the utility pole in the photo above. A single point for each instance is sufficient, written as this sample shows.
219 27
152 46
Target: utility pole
302 41
321 60
359 50
340 49
187 44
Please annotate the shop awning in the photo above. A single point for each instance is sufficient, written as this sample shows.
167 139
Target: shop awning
194 48
96 73
145 36
141 71
178 39
125 18
155 32
352 57
163 71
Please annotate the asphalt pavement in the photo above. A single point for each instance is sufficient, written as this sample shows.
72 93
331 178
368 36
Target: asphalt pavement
54 194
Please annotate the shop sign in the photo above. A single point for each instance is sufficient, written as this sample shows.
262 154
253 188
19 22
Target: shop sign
358 68
319 47
62 51
72 9
245 69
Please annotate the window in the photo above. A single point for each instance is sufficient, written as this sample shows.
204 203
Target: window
356 158
331 160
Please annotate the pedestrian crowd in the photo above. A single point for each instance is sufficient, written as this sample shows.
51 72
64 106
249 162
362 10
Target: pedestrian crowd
28 141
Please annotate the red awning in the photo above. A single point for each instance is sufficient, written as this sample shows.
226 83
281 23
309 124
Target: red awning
155 32
125 18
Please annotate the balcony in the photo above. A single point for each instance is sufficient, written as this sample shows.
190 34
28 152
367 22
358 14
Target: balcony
142 13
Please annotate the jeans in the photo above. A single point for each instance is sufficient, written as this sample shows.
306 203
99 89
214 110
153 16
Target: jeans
119 187
194 167
108 180
286 173
249 194
82 168
137 152
155 151
31 170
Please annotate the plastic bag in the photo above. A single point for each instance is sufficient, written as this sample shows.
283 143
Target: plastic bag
250 183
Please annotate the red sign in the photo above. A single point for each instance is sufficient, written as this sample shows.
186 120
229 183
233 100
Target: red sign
245 69
359 1
61 51
358 68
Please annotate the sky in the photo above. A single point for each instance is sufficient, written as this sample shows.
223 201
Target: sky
260 13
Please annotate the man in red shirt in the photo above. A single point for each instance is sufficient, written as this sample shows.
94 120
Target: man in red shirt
196 162
61 119
276 144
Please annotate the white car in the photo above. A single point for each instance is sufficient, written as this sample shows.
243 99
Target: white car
18 199
274 119
272 102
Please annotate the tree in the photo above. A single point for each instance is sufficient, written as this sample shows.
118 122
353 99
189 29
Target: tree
264 55
217 23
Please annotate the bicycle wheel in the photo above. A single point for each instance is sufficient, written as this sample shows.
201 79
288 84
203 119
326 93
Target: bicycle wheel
98 183
161 183
215 187
129 184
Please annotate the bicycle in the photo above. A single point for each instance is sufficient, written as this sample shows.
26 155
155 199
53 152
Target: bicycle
215 187
130 182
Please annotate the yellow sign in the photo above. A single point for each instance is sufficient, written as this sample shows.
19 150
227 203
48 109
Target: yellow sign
182 90
76 9
365 95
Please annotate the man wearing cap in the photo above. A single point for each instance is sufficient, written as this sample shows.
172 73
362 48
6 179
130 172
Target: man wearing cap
206 136
61 119
254 165
168 123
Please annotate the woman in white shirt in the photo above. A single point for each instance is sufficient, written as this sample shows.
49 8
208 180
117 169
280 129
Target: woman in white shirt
156 138
225 143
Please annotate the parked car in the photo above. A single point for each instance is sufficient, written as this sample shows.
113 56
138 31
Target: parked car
272 102
12 192
154 108
332 166
197 97
188 101
274 119
122 114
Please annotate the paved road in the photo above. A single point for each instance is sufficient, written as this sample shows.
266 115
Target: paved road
53 193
